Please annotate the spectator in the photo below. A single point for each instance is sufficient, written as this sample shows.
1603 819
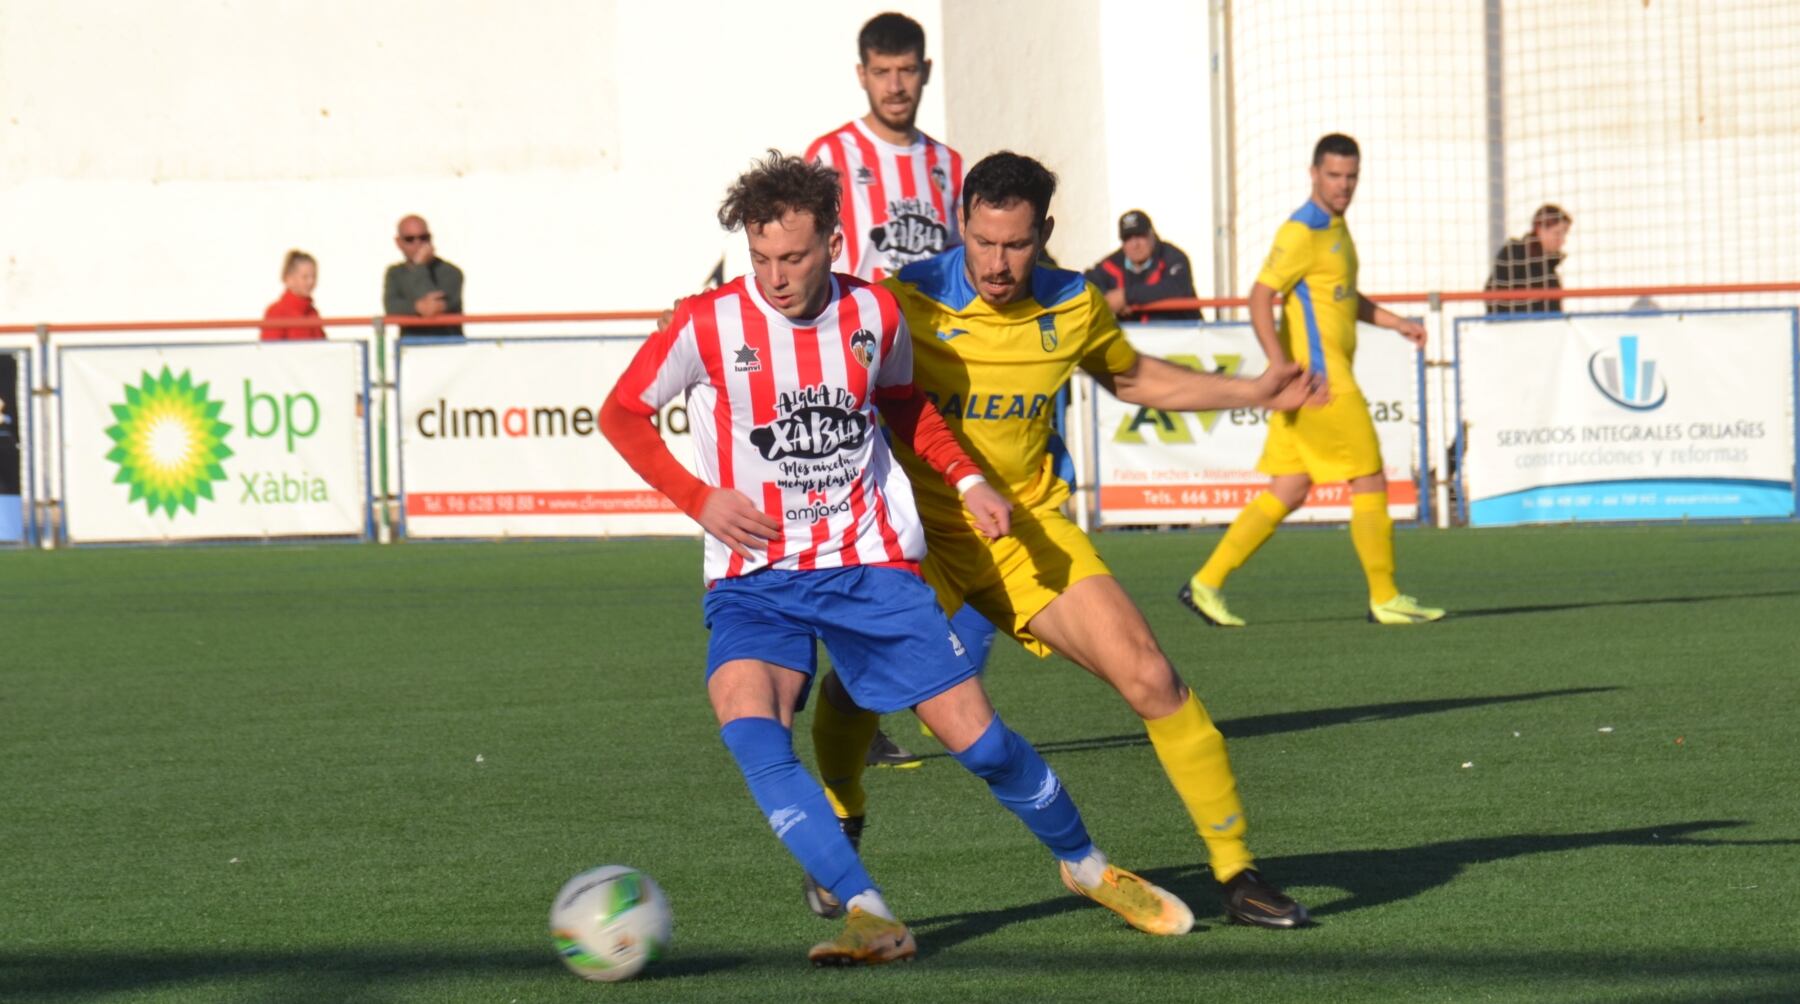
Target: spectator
1144 269
423 285
1529 262
299 273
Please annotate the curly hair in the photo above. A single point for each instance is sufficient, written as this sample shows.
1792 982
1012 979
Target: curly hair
777 185
1006 177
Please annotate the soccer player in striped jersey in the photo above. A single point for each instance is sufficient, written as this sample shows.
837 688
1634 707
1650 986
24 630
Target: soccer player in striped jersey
996 336
812 535
901 188
901 194
1313 265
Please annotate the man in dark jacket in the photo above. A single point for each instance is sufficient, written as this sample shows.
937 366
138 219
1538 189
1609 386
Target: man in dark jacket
1529 262
1144 269
423 285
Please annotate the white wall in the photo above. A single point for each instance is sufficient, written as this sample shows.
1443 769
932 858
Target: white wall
157 161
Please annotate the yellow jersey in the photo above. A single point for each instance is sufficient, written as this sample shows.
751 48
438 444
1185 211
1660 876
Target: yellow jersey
1313 266
994 373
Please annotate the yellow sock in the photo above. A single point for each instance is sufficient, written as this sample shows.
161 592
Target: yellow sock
1372 532
841 744
1193 755
1252 528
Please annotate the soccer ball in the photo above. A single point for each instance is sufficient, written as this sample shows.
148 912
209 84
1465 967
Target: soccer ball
609 923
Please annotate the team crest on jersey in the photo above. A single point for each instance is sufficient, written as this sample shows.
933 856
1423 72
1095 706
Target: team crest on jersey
864 176
1047 332
862 346
745 360
913 232
941 178
815 422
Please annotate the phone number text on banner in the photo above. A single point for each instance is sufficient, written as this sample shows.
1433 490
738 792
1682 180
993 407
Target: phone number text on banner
1157 467
1628 417
201 442
502 439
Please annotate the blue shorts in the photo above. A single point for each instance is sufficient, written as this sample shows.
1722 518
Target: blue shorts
888 639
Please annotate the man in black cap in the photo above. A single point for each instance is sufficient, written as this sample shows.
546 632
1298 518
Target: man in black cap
1144 269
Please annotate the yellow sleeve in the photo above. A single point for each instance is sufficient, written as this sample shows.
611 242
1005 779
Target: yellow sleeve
1106 351
1290 257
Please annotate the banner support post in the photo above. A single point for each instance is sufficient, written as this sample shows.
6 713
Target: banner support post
42 526
384 528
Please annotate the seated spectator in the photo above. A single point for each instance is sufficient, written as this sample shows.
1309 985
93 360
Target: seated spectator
423 285
1530 262
1144 269
299 273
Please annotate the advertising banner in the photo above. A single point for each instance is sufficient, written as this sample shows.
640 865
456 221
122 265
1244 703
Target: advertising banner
1157 467
197 442
15 478
1627 417
502 439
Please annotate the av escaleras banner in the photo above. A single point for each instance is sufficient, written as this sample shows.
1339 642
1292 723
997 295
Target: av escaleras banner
1628 417
502 439
1157 467
193 442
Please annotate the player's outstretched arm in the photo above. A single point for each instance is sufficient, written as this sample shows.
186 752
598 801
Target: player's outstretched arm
1158 383
1369 311
724 513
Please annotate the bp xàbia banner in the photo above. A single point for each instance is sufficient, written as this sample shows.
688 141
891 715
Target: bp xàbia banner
502 439
1159 467
15 487
1628 417
188 442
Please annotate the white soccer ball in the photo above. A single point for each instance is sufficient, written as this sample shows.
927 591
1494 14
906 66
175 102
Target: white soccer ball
610 922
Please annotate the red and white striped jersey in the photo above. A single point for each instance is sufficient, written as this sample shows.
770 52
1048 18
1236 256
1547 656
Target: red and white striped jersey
785 414
899 203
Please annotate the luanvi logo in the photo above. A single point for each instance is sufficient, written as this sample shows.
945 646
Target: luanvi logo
1626 378
168 442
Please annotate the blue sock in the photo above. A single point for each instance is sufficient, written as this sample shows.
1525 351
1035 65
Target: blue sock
1024 783
976 634
795 805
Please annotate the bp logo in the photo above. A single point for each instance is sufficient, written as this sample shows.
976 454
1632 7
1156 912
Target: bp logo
168 442
1627 379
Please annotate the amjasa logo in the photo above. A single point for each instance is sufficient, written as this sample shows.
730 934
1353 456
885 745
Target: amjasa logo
1626 378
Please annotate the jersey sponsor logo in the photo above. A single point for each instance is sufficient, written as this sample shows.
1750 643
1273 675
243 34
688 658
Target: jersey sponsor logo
816 422
944 336
1047 332
746 361
814 512
862 346
982 407
912 232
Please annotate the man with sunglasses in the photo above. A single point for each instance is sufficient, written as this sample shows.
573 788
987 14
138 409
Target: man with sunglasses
423 285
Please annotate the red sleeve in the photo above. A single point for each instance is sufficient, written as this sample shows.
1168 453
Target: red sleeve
644 450
920 426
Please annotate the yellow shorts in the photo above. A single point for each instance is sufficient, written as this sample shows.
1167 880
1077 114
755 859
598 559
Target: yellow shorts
1329 444
1009 580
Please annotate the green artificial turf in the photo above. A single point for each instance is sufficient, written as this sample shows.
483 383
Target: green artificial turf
355 773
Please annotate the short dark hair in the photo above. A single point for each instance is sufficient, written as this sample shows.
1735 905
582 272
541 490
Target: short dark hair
779 184
1335 144
891 35
1006 177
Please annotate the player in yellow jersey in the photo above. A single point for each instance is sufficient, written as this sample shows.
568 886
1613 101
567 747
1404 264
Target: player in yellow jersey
995 339
1313 265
